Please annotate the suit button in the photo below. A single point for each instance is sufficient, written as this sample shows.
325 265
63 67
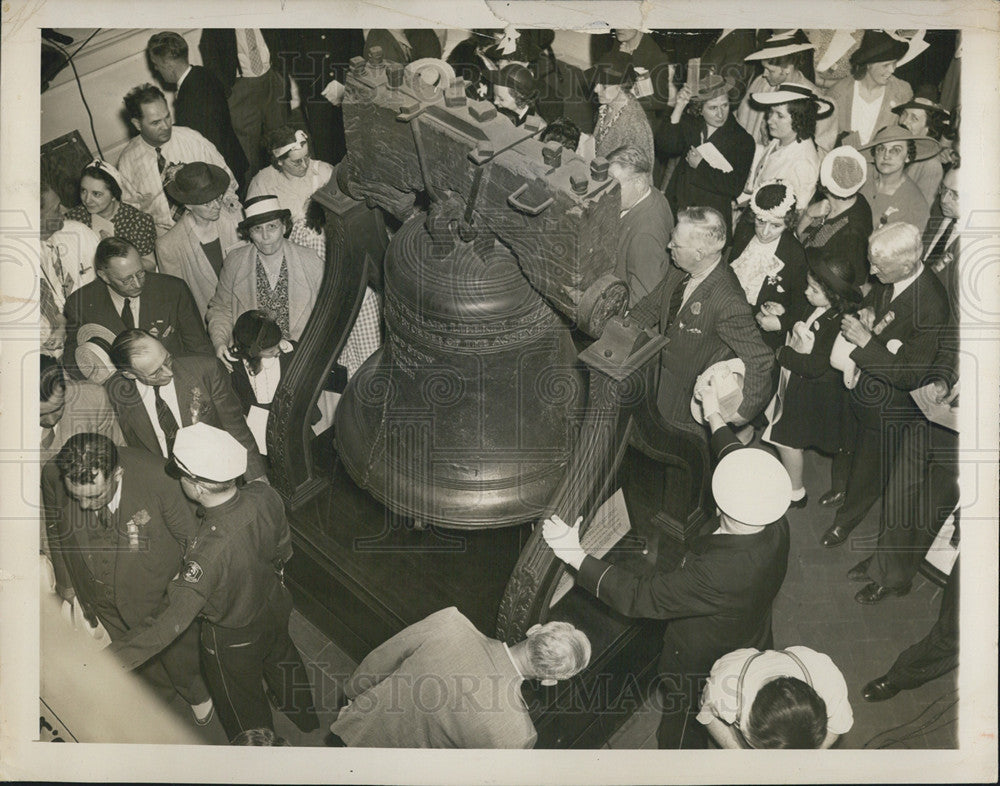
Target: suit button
323 36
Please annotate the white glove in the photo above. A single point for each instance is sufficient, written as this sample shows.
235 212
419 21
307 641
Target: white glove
334 93
564 540
709 399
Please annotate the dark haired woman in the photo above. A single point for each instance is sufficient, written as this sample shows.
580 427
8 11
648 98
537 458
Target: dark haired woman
699 119
103 211
270 273
790 698
791 155
810 409
515 93
770 263
621 121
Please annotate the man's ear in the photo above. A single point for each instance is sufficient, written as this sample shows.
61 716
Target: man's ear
135 124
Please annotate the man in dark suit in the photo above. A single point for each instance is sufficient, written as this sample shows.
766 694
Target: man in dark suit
318 62
200 102
244 61
702 310
941 237
118 527
125 296
155 394
896 337
719 598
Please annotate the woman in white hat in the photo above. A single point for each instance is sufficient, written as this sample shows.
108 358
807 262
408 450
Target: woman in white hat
102 210
791 155
864 100
293 176
699 118
270 273
770 263
891 195
840 221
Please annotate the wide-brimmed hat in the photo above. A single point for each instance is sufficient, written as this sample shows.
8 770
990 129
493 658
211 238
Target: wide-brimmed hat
261 209
919 102
775 213
516 77
926 147
197 183
93 352
752 487
835 273
712 86
877 46
789 42
728 405
843 171
205 452
787 93
613 68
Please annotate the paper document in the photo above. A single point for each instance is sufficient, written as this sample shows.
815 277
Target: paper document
714 158
609 526
257 421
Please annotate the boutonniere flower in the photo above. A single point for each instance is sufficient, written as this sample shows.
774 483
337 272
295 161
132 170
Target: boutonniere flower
140 519
884 322
780 288
197 404
696 307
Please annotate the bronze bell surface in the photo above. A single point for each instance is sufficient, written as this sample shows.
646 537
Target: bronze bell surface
467 416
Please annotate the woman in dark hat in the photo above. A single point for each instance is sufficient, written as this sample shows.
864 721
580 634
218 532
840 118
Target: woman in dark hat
864 100
270 273
791 155
194 248
515 92
923 117
891 195
621 121
698 118
810 409
102 210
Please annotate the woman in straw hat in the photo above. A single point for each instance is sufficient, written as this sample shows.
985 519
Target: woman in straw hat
699 118
864 100
810 409
102 210
194 248
841 220
891 195
271 274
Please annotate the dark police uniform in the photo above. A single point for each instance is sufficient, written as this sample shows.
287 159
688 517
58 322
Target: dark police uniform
230 578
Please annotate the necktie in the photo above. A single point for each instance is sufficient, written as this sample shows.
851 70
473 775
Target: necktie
58 270
884 301
253 51
103 517
938 251
127 316
48 437
167 420
161 162
676 298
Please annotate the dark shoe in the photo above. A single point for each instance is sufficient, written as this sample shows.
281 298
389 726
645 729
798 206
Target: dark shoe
834 536
873 593
860 571
880 689
799 503
832 499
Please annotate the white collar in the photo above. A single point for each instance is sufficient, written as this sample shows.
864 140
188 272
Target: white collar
115 501
513 662
183 76
900 286
649 190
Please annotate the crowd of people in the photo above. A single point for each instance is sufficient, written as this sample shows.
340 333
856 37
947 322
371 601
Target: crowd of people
788 214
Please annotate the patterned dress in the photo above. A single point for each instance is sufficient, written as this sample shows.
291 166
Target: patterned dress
274 302
130 224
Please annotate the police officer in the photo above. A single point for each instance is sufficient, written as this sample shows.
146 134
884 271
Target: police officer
232 579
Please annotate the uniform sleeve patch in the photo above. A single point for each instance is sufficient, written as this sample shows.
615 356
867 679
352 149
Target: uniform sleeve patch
192 572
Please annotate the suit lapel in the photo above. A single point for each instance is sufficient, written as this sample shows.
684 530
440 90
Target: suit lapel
132 415
106 304
182 387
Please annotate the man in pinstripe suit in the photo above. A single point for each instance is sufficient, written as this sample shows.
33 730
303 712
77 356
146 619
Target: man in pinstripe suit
701 310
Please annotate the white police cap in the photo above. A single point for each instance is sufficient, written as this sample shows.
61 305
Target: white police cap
206 452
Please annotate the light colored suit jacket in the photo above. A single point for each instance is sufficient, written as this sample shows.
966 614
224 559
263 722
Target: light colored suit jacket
237 290
180 254
842 94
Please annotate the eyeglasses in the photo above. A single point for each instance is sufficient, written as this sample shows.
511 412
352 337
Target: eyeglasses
298 162
950 193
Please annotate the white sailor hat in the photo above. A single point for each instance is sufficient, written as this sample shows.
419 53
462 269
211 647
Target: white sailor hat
751 486
204 452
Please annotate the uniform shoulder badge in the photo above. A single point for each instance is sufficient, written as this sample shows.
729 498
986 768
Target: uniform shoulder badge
192 572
